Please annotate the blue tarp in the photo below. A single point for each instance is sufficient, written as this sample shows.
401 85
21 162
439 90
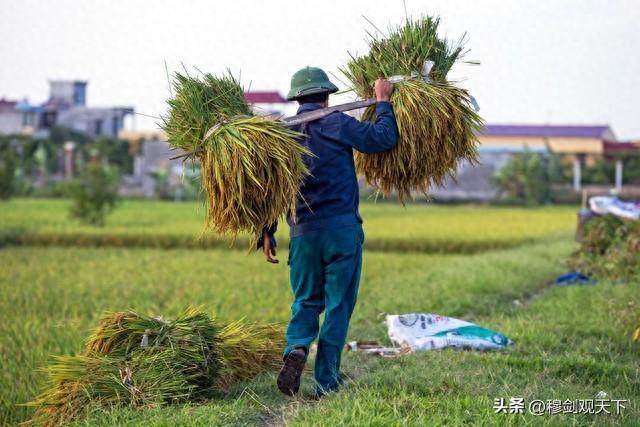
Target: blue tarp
574 278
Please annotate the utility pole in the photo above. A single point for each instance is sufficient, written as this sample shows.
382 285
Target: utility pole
577 173
69 159
618 176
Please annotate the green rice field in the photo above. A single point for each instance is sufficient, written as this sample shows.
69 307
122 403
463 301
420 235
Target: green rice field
389 227
570 342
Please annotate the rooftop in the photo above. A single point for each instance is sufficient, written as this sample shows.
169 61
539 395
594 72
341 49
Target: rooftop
6 103
264 97
595 131
619 147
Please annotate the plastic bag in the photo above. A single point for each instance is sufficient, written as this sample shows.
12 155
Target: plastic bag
603 205
424 331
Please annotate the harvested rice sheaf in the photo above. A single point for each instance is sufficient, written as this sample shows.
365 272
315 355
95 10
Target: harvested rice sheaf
247 349
437 125
251 166
133 360
191 337
82 383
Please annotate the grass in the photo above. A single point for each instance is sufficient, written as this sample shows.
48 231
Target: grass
50 298
571 342
389 227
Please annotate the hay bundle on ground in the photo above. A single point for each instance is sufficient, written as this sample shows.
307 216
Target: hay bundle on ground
437 126
246 349
141 361
191 337
82 383
251 166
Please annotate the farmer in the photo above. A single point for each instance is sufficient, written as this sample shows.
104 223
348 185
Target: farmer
325 249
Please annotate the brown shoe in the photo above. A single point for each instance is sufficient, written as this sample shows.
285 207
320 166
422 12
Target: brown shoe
289 377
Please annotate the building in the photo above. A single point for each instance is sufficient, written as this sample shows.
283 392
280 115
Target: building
94 121
267 103
151 153
65 107
10 117
577 145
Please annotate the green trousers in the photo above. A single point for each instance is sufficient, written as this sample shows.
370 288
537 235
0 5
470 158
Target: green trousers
325 270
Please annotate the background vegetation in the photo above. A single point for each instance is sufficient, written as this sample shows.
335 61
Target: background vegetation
603 171
94 194
610 249
38 163
528 178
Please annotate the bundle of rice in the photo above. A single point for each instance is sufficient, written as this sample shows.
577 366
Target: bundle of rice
247 349
437 126
140 361
81 383
251 166
191 337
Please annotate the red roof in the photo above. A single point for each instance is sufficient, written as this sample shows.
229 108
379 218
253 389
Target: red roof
617 147
5 103
264 97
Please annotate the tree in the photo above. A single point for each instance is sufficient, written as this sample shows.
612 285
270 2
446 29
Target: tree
115 152
528 176
94 194
59 135
603 171
7 169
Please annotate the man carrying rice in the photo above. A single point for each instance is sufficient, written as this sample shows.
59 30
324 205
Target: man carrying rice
325 249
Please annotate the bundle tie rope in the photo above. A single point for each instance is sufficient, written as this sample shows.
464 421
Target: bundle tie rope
221 123
145 339
126 377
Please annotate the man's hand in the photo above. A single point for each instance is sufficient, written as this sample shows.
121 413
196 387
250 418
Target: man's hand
267 249
383 88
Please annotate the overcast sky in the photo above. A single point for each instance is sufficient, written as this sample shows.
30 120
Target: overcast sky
544 61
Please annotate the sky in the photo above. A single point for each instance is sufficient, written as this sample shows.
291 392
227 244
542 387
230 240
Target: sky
541 62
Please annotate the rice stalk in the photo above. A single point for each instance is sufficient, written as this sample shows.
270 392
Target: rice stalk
247 349
251 167
191 337
436 124
80 383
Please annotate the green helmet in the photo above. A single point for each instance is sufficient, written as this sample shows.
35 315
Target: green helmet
308 81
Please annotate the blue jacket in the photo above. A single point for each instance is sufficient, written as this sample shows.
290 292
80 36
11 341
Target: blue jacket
329 196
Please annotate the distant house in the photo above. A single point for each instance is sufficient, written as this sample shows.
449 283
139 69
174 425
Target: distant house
559 139
267 103
151 153
578 145
65 107
10 117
